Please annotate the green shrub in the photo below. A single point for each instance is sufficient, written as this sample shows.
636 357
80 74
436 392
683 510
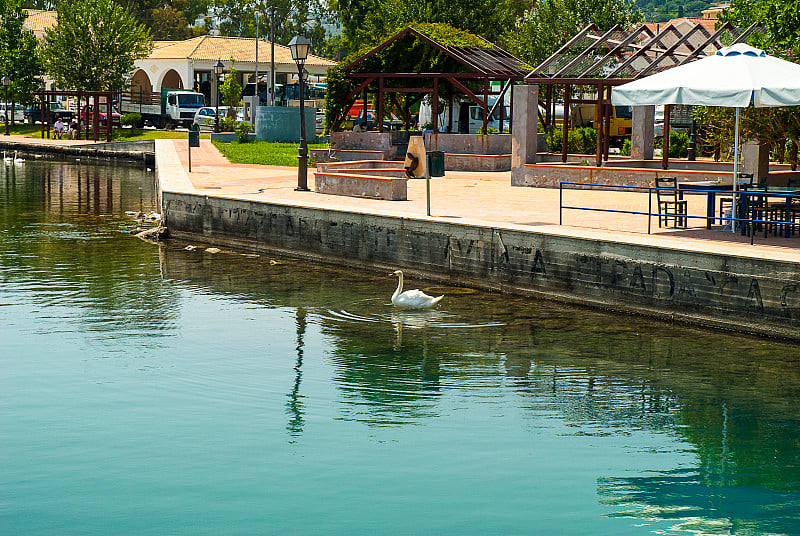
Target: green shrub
243 130
227 124
131 119
626 148
678 144
581 140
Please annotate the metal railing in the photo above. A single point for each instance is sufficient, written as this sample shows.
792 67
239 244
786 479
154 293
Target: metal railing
750 202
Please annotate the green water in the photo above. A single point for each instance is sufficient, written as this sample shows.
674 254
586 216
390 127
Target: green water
154 390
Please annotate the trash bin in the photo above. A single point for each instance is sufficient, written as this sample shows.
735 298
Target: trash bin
435 164
194 138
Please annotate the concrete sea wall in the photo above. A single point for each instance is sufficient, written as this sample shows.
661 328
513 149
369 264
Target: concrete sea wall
740 293
135 151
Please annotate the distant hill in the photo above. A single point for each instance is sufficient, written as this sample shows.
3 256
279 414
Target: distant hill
664 10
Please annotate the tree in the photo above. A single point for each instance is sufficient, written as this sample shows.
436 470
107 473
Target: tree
231 91
777 18
94 45
368 22
551 23
292 17
18 56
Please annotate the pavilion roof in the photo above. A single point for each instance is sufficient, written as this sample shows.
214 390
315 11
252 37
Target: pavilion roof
485 60
618 56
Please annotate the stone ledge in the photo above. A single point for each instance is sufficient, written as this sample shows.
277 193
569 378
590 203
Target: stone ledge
359 185
477 162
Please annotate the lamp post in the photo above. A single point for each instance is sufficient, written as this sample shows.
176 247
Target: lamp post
256 90
299 48
6 82
218 68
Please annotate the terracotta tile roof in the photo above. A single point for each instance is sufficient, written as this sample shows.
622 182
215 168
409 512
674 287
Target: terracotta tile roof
243 50
708 24
39 21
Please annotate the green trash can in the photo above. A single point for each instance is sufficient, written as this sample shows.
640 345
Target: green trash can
435 164
194 138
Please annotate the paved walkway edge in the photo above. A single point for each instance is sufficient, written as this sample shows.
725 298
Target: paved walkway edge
753 295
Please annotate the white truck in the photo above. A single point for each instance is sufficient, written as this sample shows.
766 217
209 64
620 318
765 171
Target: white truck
176 107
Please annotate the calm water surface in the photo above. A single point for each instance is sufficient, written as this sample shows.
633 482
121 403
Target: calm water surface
153 390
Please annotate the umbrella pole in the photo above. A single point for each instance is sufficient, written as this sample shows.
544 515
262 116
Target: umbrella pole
734 212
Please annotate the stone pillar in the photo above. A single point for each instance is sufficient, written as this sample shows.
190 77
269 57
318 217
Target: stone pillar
755 160
525 116
642 132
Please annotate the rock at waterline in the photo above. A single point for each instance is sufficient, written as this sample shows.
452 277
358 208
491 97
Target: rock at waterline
156 233
213 250
190 248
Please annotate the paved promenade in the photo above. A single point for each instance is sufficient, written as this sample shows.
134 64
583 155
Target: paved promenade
470 197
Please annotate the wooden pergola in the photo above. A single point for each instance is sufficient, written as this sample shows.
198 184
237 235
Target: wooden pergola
92 97
603 60
477 65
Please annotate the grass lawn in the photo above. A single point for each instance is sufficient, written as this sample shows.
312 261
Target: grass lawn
264 153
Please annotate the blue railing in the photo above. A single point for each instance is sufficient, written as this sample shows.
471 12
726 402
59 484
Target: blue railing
751 203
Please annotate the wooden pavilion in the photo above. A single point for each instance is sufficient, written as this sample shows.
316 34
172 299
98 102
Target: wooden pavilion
602 60
470 70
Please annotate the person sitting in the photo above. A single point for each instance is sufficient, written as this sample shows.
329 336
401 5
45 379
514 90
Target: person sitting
360 126
59 128
73 130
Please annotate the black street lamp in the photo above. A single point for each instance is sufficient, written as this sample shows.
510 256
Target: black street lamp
218 69
6 82
299 47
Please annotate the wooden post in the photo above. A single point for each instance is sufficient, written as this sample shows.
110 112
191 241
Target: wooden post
599 116
665 137
379 111
548 98
96 117
110 115
608 114
450 113
485 104
565 126
42 105
435 105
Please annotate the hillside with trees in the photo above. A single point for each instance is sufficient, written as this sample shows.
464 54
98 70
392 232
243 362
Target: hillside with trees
664 10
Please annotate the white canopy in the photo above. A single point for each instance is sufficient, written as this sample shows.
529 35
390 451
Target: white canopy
735 76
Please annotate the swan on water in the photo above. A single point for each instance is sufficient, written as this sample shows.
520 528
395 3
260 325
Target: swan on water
411 299
17 159
7 159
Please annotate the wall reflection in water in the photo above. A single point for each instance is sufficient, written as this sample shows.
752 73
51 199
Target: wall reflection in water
731 399
63 243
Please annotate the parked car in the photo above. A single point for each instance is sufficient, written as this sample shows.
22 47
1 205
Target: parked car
53 112
204 117
17 115
319 122
87 114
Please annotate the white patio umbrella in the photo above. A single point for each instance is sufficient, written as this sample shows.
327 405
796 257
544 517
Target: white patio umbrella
736 76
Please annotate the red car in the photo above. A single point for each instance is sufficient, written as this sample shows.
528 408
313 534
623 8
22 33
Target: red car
88 110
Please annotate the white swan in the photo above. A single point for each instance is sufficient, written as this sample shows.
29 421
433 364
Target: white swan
411 299
17 159
7 159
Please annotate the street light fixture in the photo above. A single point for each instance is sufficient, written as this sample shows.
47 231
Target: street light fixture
299 47
218 69
6 82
